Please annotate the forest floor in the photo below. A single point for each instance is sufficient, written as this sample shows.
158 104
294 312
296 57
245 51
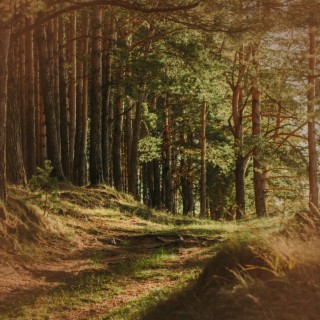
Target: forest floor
103 256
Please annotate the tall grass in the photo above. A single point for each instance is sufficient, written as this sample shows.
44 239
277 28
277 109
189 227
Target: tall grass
273 277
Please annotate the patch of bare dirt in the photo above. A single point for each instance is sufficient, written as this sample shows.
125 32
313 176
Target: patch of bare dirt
27 274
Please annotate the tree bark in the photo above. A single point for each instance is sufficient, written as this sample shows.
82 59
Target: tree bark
240 187
64 112
31 152
5 35
134 161
56 77
203 179
72 88
312 141
15 164
128 140
96 169
41 135
54 152
22 89
157 184
118 119
80 159
258 176
186 180
167 174
107 105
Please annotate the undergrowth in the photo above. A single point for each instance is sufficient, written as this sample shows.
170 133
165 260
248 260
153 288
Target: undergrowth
274 277
252 275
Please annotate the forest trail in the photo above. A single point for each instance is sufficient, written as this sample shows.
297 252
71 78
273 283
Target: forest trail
103 261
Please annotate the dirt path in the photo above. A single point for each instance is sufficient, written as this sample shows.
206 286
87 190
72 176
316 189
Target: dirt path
106 264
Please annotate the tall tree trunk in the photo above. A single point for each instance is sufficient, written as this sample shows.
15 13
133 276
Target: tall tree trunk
96 169
258 176
40 116
128 140
31 152
145 183
22 87
52 40
37 110
312 141
203 179
240 187
116 150
5 35
15 164
72 88
240 160
134 161
80 159
167 174
157 184
64 112
186 180
107 106
184 187
54 152
151 184
56 78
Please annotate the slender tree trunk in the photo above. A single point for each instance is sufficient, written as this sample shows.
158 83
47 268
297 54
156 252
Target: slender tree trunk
72 88
5 35
107 106
96 169
56 77
240 187
240 161
31 152
40 116
184 187
174 160
52 39
15 164
116 150
22 86
186 180
167 175
37 110
312 141
203 179
258 176
79 114
80 159
134 161
54 154
128 140
145 183
151 184
64 112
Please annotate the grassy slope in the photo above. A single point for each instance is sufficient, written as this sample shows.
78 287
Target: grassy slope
274 277
104 256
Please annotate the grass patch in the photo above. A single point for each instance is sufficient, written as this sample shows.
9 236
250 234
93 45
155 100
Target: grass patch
254 277
87 289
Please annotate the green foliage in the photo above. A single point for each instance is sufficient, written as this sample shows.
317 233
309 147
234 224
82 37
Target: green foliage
150 149
45 187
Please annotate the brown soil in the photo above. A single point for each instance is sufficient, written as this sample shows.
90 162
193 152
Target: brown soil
33 271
